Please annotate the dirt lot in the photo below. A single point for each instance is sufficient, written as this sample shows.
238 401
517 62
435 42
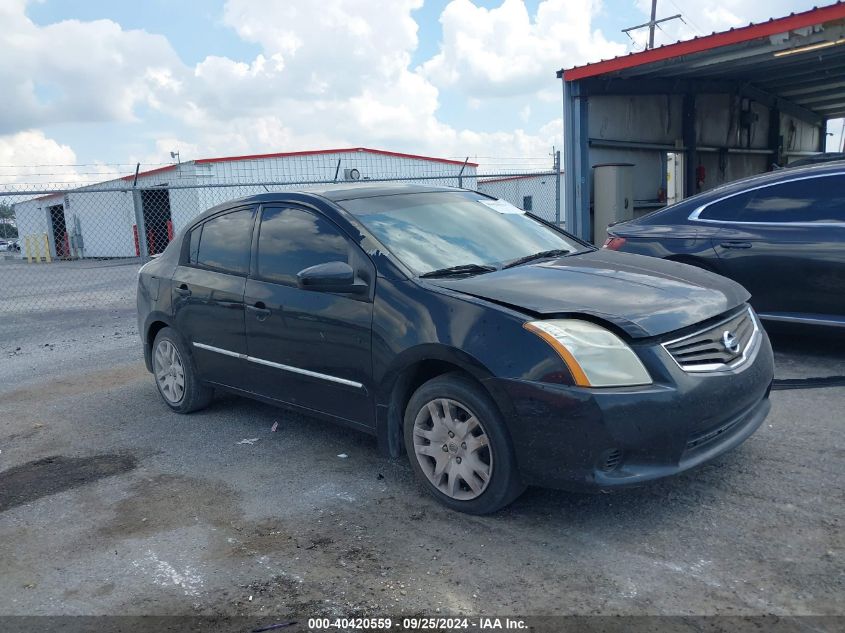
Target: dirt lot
110 504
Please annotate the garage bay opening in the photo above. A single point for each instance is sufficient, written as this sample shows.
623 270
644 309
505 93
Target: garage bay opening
60 236
157 219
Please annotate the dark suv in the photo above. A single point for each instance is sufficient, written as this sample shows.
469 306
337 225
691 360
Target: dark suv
493 348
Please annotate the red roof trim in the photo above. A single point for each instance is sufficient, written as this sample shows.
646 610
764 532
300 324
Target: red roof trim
225 159
47 197
709 42
157 170
82 188
484 181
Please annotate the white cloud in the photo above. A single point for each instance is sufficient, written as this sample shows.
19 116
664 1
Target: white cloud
505 51
330 74
702 17
74 71
30 157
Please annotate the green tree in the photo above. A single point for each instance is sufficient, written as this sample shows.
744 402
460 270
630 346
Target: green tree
8 229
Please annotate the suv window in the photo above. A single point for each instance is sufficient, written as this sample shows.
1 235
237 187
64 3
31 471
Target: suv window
290 240
224 242
820 199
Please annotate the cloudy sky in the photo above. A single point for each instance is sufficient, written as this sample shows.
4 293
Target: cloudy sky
114 82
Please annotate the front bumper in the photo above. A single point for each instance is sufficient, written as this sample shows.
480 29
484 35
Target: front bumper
598 439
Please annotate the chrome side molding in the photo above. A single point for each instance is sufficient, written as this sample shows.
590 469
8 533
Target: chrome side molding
290 368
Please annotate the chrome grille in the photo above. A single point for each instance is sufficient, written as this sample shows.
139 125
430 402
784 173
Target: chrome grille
724 345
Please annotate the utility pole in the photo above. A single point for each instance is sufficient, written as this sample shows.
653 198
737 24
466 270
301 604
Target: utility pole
651 24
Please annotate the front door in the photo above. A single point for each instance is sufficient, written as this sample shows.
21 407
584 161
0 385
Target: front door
784 243
208 295
309 348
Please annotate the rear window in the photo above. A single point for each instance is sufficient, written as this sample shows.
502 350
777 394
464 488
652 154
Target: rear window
224 242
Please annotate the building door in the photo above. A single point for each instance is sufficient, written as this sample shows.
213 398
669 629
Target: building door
157 219
60 236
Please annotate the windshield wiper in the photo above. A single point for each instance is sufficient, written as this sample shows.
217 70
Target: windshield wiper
463 269
557 252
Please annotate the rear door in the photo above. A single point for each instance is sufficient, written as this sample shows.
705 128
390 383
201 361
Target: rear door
208 295
785 243
309 348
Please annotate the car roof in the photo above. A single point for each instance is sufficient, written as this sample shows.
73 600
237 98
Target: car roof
346 191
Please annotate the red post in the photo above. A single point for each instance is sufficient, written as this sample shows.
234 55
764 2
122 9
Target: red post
67 245
151 242
137 244
169 231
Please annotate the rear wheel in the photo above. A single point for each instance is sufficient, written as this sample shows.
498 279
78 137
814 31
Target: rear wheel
176 376
459 447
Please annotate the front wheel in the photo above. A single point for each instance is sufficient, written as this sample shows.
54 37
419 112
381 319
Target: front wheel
459 447
176 376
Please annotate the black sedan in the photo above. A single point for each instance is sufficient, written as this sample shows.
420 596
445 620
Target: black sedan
781 235
494 349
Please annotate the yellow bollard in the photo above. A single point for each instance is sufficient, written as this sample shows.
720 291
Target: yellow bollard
47 257
27 248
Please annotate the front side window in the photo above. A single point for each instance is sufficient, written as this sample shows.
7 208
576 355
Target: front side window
810 200
432 231
290 240
224 242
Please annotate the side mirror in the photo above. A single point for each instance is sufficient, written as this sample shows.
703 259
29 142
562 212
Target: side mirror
330 277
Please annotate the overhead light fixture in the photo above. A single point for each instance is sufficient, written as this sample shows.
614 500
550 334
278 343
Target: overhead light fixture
810 47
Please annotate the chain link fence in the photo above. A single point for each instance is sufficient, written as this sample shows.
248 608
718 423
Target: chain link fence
64 248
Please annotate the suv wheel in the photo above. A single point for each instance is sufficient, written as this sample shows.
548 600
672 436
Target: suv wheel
458 446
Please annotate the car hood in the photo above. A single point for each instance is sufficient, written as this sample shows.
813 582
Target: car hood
644 296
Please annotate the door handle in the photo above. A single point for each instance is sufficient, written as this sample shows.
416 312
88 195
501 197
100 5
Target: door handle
183 290
735 244
260 310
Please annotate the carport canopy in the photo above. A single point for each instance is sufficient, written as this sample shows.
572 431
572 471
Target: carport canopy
790 69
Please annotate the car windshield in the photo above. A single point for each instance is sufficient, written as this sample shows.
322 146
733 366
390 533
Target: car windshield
435 231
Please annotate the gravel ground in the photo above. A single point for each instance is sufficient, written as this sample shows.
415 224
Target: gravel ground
110 504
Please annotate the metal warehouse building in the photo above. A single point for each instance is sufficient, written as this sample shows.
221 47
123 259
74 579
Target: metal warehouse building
101 220
668 122
538 193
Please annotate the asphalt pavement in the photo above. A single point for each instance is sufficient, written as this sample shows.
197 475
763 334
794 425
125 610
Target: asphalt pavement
111 504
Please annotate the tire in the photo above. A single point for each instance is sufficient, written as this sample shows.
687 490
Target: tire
170 354
473 470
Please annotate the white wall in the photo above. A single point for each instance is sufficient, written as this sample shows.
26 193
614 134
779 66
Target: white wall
322 167
514 190
31 220
105 211
105 221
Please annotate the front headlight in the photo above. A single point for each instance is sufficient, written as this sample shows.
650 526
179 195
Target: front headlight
596 357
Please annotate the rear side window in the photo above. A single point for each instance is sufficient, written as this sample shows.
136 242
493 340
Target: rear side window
195 244
809 200
290 240
224 242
